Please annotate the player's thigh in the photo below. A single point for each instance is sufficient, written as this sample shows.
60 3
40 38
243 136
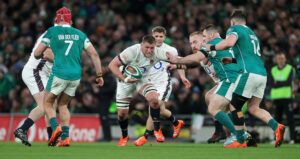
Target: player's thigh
261 85
209 93
71 87
254 104
56 85
149 91
33 80
124 94
63 99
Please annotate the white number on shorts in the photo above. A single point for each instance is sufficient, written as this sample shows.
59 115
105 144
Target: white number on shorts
70 43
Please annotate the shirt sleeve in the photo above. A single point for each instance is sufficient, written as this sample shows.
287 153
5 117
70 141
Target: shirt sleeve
232 31
127 55
87 43
46 38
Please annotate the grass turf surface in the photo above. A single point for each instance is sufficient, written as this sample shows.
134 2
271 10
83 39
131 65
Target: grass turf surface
10 150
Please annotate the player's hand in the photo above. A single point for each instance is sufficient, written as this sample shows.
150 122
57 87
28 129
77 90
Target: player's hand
186 83
171 67
171 58
99 81
130 80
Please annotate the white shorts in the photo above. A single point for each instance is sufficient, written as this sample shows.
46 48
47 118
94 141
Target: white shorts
35 80
250 84
164 89
57 85
125 91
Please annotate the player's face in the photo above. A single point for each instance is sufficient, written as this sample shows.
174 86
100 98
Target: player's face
148 49
196 42
159 38
207 36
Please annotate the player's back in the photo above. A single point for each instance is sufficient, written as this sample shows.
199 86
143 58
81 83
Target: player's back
247 49
67 44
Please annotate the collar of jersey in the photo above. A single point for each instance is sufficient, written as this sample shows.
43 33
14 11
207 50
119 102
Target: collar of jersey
65 25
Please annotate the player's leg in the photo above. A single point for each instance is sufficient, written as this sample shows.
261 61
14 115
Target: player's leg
150 93
123 98
35 82
65 116
55 87
219 133
148 132
262 114
265 116
62 105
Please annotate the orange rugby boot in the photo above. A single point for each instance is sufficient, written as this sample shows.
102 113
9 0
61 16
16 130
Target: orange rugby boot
159 136
177 129
140 141
279 133
123 141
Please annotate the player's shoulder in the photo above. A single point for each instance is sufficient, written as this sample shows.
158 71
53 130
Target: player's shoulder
169 48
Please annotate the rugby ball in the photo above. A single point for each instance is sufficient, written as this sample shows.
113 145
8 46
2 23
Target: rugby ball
133 72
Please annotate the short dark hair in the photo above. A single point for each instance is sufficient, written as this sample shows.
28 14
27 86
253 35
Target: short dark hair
210 27
196 33
238 14
149 39
159 29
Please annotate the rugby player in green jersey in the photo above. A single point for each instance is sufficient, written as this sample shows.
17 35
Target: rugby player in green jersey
67 44
250 84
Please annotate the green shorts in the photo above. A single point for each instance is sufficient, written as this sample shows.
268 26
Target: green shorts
225 89
57 85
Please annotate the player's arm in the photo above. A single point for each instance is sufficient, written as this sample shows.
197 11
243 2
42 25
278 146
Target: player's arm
38 52
183 78
114 68
192 59
48 55
227 43
91 51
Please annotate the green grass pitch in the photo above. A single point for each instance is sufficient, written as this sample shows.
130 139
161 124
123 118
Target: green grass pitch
10 150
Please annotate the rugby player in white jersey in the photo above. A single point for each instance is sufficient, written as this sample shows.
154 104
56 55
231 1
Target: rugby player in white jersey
144 56
161 78
35 75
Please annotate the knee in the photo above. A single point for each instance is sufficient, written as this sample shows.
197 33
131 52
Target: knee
122 115
153 101
211 110
252 109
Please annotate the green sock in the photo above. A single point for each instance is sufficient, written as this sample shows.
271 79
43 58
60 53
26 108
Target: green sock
224 119
239 136
65 132
273 124
53 123
230 116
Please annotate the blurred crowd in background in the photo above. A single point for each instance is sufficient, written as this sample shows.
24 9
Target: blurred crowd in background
114 25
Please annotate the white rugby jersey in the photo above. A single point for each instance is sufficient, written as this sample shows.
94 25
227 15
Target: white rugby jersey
133 55
210 70
159 70
40 64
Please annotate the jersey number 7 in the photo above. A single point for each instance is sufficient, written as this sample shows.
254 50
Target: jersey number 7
70 43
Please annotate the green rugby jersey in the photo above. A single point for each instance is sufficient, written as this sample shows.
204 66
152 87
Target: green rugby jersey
224 71
247 49
67 44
